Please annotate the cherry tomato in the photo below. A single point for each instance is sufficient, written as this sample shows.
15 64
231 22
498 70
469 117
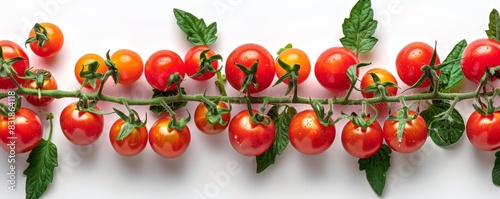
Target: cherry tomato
131 145
20 133
477 56
166 142
331 68
482 131
48 84
11 50
410 59
160 65
192 62
362 142
248 138
414 134
84 61
53 45
384 76
246 55
81 128
292 56
202 123
308 135
129 64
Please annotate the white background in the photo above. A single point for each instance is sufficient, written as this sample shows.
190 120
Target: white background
210 168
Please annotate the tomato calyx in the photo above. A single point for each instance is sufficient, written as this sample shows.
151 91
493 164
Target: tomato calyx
402 117
364 120
353 78
40 36
206 63
176 123
487 108
112 70
90 75
6 69
132 121
214 112
85 105
319 109
250 78
284 48
292 72
379 88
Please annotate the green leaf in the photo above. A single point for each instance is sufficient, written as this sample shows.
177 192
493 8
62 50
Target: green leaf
281 122
376 168
494 25
40 172
359 28
198 33
159 109
443 131
452 73
496 170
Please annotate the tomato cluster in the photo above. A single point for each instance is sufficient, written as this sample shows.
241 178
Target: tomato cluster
306 132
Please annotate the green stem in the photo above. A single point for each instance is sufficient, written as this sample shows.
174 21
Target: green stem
103 81
220 83
51 127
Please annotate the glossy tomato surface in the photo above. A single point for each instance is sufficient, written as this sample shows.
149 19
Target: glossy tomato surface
192 62
410 60
248 138
48 84
479 55
81 128
131 145
362 142
20 133
83 62
52 46
167 142
202 123
331 68
160 65
129 64
291 57
483 131
414 134
12 50
308 135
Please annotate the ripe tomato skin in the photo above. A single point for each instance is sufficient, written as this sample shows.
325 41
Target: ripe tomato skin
192 62
202 123
308 135
85 60
49 84
246 55
131 145
414 134
81 128
362 143
250 139
129 64
384 76
410 59
160 65
52 46
28 131
331 68
168 143
291 57
482 131
477 56
11 50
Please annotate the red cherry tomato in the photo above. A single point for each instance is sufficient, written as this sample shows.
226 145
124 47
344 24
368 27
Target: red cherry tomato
477 56
246 55
308 135
248 138
129 64
160 65
414 134
48 84
81 128
202 123
166 142
192 62
84 61
362 143
53 45
11 50
482 131
292 56
20 133
331 68
384 76
131 145
410 59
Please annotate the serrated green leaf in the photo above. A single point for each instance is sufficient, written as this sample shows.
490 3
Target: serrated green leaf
376 168
40 172
442 131
452 74
198 33
281 123
496 170
494 25
359 28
